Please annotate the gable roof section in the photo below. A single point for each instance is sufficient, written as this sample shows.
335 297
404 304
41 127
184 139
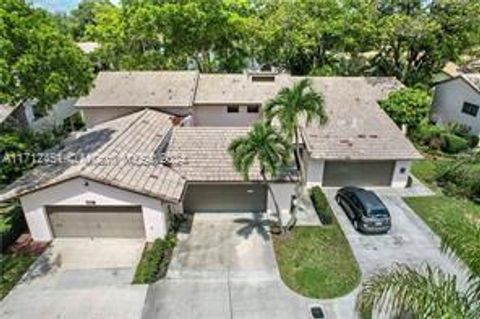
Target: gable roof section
357 128
472 79
142 89
237 89
110 147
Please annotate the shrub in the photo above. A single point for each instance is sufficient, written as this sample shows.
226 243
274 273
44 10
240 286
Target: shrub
12 224
321 205
453 144
429 134
155 260
473 141
460 178
408 106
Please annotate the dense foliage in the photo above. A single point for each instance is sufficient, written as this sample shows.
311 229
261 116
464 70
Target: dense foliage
410 39
155 260
12 224
17 148
38 61
408 106
322 207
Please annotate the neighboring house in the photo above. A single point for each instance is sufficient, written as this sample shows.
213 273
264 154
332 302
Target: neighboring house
457 100
137 117
64 113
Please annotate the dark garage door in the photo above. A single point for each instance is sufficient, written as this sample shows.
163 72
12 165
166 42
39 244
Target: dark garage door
225 198
345 173
97 221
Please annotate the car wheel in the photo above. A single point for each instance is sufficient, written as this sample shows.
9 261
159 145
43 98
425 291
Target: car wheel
355 224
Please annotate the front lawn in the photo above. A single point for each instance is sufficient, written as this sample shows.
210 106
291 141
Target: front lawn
438 211
317 262
12 268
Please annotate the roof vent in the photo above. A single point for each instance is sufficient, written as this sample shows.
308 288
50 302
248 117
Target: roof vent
373 136
154 176
361 136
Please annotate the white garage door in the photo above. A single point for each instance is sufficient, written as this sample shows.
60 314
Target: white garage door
225 198
366 173
96 221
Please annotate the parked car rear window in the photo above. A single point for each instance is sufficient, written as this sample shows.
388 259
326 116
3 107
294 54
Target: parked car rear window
378 212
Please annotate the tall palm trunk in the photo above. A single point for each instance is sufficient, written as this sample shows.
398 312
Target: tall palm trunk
277 208
299 158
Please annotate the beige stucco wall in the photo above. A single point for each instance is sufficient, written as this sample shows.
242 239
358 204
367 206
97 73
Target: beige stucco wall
218 116
94 116
97 115
77 192
283 194
448 102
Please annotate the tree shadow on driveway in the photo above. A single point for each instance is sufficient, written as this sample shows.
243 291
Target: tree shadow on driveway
256 224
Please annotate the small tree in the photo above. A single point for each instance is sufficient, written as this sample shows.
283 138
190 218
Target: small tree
293 106
265 147
408 106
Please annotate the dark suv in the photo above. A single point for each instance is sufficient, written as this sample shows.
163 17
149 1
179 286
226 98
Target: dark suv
364 209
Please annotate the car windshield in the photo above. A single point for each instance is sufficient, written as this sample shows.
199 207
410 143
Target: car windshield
378 212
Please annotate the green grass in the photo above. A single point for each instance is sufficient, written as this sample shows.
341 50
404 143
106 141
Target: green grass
436 210
426 170
317 262
12 268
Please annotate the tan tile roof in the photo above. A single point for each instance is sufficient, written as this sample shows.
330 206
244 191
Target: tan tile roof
357 129
110 147
142 89
237 89
201 153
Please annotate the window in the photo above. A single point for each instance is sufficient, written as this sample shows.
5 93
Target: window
232 109
253 109
470 109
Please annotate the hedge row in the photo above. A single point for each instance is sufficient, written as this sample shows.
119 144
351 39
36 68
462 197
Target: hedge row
321 205
155 260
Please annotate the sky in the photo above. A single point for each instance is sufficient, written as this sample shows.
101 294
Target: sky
59 5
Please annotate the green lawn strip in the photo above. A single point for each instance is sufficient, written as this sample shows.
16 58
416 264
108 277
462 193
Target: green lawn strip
435 210
12 268
317 262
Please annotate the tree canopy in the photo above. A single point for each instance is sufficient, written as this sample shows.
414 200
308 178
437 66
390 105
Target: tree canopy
37 60
409 39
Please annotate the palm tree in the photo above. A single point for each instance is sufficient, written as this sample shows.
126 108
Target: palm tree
265 147
293 107
429 292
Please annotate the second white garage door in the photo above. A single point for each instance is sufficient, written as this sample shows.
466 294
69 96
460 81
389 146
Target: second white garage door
96 221
350 173
225 198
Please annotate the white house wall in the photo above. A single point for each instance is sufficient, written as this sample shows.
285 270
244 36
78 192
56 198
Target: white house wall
82 192
283 194
218 116
94 116
401 173
448 102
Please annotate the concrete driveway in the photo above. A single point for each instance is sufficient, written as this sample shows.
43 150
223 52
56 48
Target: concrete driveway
410 240
80 278
225 268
